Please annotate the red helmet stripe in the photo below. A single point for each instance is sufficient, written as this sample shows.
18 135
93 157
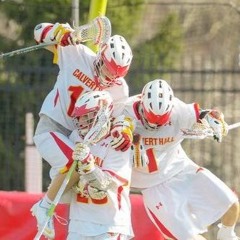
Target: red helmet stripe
80 111
114 69
156 119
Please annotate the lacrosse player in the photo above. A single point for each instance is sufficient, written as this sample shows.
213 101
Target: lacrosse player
181 198
80 70
100 208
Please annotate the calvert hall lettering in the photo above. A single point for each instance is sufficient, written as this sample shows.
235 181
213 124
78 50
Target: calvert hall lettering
85 79
157 141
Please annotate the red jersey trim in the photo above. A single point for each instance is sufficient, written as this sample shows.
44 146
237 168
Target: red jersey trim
197 112
66 150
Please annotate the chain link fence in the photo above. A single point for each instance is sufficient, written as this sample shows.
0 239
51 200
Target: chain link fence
206 72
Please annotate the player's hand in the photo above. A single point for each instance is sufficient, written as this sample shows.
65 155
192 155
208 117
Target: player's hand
96 193
121 133
86 190
85 159
215 119
63 34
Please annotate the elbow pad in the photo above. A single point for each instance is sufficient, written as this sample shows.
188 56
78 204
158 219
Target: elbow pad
41 30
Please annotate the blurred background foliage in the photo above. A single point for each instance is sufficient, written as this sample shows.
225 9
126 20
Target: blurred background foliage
26 74
20 18
193 44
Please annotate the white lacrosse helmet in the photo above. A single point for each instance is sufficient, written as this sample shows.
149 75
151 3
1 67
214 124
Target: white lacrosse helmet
91 109
156 104
113 60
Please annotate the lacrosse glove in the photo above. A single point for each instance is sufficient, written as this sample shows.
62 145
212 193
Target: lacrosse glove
63 34
85 159
215 119
87 190
121 133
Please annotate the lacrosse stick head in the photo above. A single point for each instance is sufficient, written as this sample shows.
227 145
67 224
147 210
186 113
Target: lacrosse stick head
98 30
91 115
199 130
113 60
156 104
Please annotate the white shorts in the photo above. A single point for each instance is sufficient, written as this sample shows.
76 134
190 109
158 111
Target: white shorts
188 203
105 236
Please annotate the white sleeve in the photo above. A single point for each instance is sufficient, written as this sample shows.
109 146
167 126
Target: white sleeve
187 114
120 94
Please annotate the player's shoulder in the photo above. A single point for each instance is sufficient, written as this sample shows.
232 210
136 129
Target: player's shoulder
177 101
180 105
131 105
119 89
183 112
121 81
134 99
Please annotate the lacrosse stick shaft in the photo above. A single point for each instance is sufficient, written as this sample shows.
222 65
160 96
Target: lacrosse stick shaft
56 200
94 133
233 126
98 31
26 50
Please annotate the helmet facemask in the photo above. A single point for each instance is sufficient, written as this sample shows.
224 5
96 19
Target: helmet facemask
148 121
85 122
93 111
156 104
105 78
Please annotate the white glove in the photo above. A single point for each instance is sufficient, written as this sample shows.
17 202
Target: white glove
63 34
85 159
86 190
215 119
95 193
121 133
138 153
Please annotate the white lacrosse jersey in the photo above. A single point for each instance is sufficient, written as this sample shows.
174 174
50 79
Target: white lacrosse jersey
163 152
113 213
180 198
76 76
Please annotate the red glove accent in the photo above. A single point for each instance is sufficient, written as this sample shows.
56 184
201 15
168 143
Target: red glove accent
66 40
121 142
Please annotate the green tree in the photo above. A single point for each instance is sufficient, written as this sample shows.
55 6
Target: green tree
158 53
26 79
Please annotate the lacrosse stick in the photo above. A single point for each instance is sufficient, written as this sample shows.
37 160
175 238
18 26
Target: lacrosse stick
203 131
98 30
97 132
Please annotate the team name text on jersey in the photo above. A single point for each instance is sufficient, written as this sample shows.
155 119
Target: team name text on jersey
157 141
85 79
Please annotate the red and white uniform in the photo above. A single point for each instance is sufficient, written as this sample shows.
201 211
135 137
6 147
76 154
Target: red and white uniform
181 198
89 217
76 76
